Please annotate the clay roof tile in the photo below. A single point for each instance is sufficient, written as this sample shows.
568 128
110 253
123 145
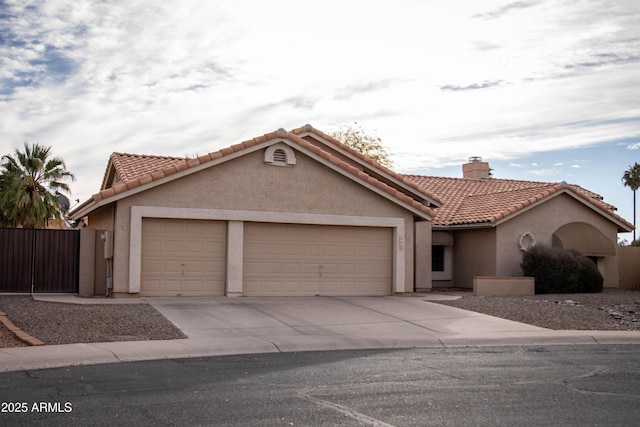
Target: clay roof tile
205 158
474 201
138 170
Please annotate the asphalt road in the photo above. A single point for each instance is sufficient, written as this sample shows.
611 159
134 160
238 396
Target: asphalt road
509 386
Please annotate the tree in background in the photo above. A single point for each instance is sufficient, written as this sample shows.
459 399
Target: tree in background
354 136
631 179
30 181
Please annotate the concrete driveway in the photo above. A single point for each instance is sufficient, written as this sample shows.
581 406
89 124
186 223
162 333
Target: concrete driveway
218 326
321 323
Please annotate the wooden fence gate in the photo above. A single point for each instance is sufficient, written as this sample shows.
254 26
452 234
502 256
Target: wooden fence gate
39 260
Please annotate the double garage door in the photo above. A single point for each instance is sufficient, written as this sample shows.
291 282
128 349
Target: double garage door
188 257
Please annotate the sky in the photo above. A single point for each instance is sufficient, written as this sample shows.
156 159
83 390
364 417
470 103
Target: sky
542 90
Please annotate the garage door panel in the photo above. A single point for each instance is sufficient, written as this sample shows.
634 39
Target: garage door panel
348 250
330 250
311 268
293 248
151 285
193 247
171 285
312 249
348 268
317 260
292 268
172 243
168 266
183 257
329 268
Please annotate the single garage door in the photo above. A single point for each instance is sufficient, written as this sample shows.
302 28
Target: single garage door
300 259
183 257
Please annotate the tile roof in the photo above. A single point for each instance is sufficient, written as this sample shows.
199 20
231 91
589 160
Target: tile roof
486 201
425 191
136 170
131 166
463 201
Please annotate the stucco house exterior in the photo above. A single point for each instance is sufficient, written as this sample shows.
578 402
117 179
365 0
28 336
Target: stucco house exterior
297 213
484 224
286 213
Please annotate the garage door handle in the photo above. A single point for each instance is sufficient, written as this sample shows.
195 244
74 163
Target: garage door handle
320 270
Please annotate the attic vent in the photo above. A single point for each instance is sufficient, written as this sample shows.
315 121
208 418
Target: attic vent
279 154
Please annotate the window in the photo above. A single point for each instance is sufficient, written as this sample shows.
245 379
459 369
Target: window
437 258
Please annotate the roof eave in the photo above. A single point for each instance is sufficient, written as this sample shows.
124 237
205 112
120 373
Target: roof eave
621 223
121 191
319 136
452 227
84 209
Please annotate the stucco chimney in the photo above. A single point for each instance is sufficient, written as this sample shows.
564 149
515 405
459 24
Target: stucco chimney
476 168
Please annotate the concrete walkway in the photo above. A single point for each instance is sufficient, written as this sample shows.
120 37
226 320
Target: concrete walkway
246 325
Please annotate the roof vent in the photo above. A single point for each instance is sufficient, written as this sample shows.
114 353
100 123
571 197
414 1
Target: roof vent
279 154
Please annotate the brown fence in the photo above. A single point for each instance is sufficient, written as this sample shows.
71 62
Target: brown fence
39 260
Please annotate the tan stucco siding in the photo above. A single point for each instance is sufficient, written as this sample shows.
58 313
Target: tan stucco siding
101 219
474 255
423 275
629 267
542 221
248 184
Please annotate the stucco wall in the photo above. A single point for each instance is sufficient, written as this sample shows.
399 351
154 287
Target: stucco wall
423 274
100 220
629 267
246 183
542 221
474 255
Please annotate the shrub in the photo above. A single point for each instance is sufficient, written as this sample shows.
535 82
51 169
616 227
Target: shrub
559 271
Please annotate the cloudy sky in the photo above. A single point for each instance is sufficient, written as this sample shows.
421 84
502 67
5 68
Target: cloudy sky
543 90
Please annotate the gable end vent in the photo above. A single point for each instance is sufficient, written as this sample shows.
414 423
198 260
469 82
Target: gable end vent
279 154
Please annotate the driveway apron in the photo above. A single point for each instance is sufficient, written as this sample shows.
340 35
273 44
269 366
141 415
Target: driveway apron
307 323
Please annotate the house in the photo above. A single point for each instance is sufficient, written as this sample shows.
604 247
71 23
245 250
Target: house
286 213
296 213
484 224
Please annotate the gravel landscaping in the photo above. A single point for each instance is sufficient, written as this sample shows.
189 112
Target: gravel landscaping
609 310
56 323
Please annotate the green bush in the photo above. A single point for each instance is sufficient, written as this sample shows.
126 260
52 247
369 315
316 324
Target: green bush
559 271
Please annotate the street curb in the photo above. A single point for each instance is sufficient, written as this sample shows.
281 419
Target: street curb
19 333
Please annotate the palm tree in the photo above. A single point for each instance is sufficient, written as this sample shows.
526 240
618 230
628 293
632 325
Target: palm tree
631 179
29 185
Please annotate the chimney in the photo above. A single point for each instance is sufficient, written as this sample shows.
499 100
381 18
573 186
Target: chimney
476 168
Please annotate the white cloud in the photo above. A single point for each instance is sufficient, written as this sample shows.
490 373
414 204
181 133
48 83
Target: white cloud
544 172
182 77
